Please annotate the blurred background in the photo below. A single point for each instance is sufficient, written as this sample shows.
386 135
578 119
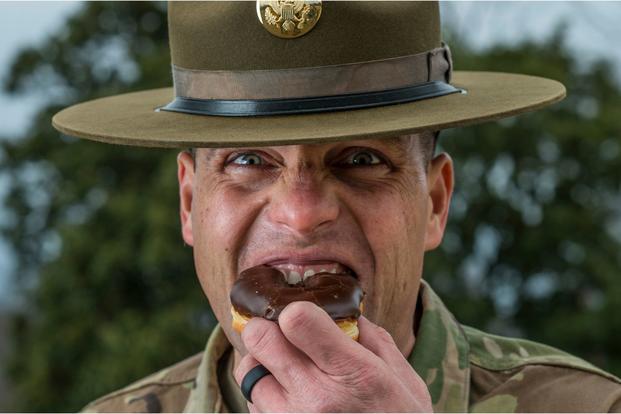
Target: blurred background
97 289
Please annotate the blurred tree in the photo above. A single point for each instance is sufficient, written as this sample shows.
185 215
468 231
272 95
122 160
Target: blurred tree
110 293
109 290
533 246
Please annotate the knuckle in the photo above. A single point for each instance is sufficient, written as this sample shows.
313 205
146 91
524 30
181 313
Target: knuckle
385 336
345 365
358 376
294 316
369 376
258 338
360 389
245 365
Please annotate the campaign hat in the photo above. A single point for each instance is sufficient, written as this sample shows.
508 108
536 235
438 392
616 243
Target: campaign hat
301 72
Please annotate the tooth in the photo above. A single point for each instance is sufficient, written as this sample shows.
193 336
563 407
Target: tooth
322 271
333 270
309 273
294 277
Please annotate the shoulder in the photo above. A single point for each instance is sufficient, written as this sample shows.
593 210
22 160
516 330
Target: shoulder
164 391
511 374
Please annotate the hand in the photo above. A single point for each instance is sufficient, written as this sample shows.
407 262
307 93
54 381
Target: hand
316 367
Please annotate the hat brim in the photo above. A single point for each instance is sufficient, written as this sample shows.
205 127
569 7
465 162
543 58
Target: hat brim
132 119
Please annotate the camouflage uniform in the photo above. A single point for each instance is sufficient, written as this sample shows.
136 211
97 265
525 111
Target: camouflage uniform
465 370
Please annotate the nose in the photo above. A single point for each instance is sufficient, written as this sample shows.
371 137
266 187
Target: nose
302 203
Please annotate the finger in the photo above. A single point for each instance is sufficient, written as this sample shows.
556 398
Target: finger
265 342
312 331
267 394
245 365
380 342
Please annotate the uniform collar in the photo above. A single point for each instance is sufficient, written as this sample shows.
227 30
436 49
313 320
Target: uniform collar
440 357
206 396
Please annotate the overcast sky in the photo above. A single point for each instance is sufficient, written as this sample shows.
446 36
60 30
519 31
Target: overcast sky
23 24
594 31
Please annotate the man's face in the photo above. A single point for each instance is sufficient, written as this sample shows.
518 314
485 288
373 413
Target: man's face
372 206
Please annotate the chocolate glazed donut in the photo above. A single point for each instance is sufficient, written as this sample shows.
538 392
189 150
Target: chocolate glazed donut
264 292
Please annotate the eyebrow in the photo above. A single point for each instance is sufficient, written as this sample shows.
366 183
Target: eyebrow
402 145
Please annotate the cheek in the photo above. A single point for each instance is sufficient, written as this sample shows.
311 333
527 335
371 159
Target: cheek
220 220
224 215
392 219
394 225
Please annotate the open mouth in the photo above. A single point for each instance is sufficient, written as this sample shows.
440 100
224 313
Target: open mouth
295 273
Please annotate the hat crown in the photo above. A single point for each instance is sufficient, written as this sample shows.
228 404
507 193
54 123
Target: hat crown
229 36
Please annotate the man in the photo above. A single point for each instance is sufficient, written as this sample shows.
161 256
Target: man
318 122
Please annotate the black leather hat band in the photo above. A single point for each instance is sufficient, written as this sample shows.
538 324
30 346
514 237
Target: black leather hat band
255 107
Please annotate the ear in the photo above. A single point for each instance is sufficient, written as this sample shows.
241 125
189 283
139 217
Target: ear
440 185
185 176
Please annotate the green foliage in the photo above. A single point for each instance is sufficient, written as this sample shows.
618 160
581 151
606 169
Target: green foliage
110 290
533 243
110 293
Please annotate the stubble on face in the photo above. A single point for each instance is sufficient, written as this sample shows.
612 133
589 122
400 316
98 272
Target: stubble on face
310 199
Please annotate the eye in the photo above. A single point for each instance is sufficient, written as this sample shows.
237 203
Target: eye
248 158
362 158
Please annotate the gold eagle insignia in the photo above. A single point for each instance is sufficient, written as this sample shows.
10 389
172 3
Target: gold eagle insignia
288 18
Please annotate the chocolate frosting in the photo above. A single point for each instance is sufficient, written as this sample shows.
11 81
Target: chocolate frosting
263 291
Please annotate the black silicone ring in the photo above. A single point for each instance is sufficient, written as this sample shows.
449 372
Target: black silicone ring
250 380
249 107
